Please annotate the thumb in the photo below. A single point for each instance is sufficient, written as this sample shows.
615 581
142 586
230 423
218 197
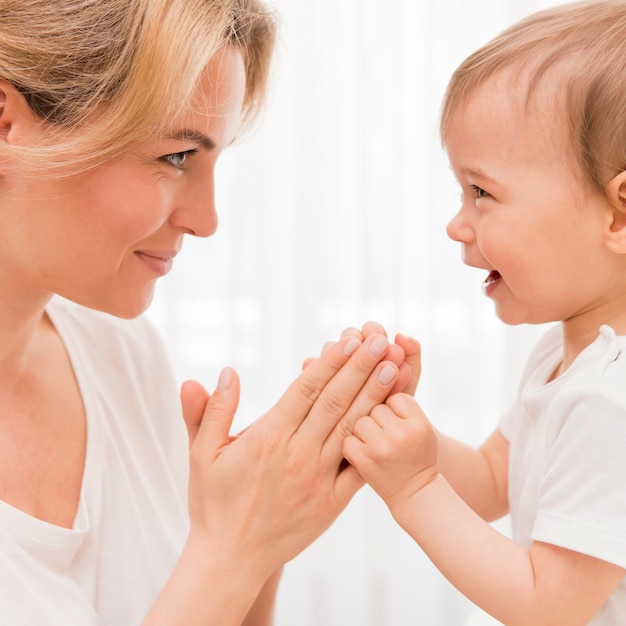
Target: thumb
219 411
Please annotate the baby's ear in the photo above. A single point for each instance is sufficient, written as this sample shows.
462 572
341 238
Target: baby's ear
616 191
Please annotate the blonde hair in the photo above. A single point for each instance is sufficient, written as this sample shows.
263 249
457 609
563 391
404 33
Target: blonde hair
579 51
105 75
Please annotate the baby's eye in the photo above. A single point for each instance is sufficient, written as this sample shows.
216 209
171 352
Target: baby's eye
479 192
177 159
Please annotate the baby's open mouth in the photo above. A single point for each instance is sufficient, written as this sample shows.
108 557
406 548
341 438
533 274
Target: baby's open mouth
492 278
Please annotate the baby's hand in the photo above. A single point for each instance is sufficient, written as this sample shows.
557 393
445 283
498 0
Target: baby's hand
405 353
394 449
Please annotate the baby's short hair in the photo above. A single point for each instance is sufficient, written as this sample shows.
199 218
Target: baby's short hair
579 51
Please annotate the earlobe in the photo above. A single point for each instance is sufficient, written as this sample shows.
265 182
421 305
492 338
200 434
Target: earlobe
616 192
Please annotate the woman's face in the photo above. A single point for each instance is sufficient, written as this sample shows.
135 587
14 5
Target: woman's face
102 238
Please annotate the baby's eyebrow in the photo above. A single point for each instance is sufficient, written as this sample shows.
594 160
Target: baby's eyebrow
478 175
188 134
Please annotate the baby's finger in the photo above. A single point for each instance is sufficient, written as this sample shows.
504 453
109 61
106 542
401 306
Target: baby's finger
366 429
395 354
413 357
403 379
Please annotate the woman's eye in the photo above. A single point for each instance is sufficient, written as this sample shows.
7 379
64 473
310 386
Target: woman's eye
177 159
479 192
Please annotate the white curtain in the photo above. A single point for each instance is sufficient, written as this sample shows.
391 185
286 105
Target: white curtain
333 212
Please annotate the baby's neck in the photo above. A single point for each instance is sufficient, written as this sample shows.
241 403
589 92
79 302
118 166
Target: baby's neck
582 331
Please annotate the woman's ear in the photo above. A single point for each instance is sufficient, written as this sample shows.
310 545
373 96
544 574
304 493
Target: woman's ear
616 192
17 119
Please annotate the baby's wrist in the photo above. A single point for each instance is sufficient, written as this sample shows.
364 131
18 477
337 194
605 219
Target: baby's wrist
409 498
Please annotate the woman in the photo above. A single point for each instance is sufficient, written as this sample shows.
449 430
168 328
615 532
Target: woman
112 115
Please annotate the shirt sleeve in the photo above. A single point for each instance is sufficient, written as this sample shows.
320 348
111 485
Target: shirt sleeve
582 503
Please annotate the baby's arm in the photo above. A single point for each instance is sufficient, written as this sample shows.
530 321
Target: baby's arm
479 476
396 450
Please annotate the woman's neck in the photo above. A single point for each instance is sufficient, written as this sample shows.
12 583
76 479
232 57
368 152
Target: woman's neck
23 324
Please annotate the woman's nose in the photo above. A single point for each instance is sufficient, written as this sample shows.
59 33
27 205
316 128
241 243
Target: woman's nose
196 212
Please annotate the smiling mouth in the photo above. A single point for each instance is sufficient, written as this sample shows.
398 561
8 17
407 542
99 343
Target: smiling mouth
158 262
492 278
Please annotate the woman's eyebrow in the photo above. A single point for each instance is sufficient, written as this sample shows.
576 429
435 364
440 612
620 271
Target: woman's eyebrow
188 134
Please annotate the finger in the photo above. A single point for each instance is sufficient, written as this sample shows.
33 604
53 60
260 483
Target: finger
413 357
373 328
373 393
403 379
348 482
352 450
193 398
352 332
294 406
339 394
310 360
307 362
329 344
366 428
217 418
348 332
395 354
403 405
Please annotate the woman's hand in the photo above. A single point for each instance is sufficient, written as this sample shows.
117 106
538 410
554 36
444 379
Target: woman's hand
264 496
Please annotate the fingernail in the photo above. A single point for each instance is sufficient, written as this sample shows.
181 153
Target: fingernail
225 378
386 375
351 346
378 346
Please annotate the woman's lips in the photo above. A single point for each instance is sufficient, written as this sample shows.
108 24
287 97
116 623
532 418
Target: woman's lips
491 282
159 262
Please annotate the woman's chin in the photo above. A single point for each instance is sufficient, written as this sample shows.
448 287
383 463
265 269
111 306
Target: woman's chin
117 305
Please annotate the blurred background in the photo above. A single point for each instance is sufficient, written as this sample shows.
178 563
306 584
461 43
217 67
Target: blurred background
333 212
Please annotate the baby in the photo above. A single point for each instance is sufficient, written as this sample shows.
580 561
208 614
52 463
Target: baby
534 125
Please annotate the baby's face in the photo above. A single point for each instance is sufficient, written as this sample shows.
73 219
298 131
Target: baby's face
525 218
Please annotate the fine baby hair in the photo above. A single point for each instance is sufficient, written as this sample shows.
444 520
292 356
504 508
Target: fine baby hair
578 52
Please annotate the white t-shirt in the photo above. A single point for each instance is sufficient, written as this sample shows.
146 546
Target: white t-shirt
132 515
567 456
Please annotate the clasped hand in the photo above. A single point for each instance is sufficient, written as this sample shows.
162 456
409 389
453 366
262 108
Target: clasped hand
263 496
394 446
